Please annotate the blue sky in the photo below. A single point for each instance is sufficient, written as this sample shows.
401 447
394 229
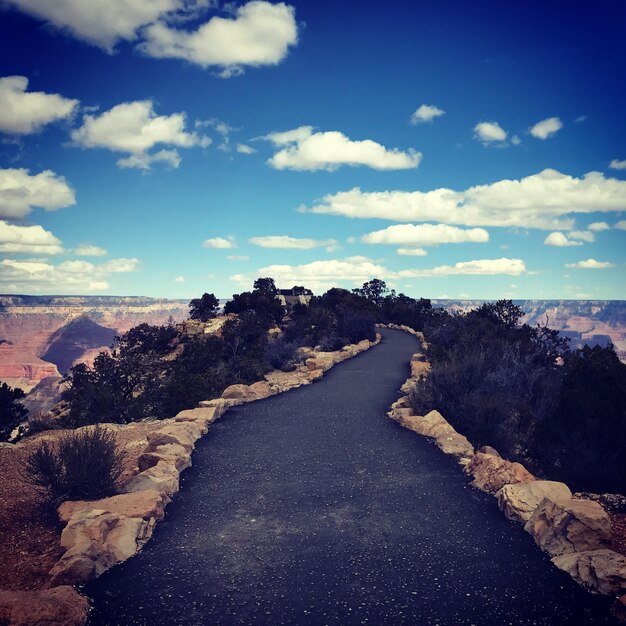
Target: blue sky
462 150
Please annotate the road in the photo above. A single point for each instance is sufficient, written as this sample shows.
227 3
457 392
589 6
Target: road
313 508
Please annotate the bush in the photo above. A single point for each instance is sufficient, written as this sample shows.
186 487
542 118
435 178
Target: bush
84 465
282 354
11 411
204 308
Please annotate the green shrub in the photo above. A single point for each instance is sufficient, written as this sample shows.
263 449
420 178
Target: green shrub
11 411
83 465
282 354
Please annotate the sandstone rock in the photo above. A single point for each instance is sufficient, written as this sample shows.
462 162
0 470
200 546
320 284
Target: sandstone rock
182 433
491 473
144 504
61 606
221 405
202 414
239 392
163 477
456 445
323 361
401 403
171 453
408 386
600 571
262 389
315 375
519 501
430 425
419 369
489 450
569 526
619 609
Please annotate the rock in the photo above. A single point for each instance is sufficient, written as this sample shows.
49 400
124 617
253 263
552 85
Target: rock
489 450
401 403
182 433
323 361
519 501
419 369
619 609
315 375
100 537
163 477
456 445
408 386
491 473
405 416
611 502
144 504
569 526
172 453
239 392
600 571
262 389
221 405
61 606
202 414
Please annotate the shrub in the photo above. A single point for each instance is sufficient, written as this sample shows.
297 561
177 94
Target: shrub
204 308
84 465
282 354
356 326
11 411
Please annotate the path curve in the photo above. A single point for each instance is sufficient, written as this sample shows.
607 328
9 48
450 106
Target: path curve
313 508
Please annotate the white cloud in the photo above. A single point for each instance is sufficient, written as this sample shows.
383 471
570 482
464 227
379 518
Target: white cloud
23 112
621 225
489 132
425 235
618 165
89 250
293 243
143 160
425 113
259 33
598 226
546 128
238 257
179 279
242 148
220 243
27 239
102 23
482 267
582 235
134 127
515 140
308 150
20 192
35 275
545 200
411 251
560 240
590 264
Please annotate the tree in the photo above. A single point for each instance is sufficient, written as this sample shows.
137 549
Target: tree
11 411
501 312
265 284
298 291
374 290
204 308
264 303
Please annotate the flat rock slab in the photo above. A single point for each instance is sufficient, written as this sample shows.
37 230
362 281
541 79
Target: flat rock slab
519 501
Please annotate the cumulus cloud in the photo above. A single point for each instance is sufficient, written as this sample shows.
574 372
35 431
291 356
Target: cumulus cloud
134 127
590 264
598 226
615 164
482 267
546 128
242 148
27 239
621 225
545 200
259 33
560 240
35 275
411 251
425 235
293 243
426 113
307 150
20 192
89 250
25 112
220 243
582 235
102 23
489 132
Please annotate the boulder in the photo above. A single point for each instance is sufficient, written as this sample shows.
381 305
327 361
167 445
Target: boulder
262 389
401 403
432 424
315 375
490 473
408 386
143 504
619 609
163 477
61 606
239 392
221 405
323 361
600 571
172 453
489 450
456 445
419 369
201 414
181 433
561 527
519 501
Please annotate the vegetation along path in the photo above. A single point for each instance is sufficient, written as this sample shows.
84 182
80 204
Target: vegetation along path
312 507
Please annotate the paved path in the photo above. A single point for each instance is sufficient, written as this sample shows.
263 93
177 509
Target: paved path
313 508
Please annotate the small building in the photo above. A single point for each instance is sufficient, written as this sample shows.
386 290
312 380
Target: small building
295 295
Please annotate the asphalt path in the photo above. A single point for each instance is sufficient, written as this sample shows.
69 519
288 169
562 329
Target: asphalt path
313 508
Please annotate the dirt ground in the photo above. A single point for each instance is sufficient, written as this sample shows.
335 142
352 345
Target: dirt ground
29 536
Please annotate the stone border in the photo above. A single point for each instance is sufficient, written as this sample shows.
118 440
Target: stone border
100 534
575 532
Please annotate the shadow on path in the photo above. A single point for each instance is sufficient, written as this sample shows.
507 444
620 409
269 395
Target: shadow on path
312 507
